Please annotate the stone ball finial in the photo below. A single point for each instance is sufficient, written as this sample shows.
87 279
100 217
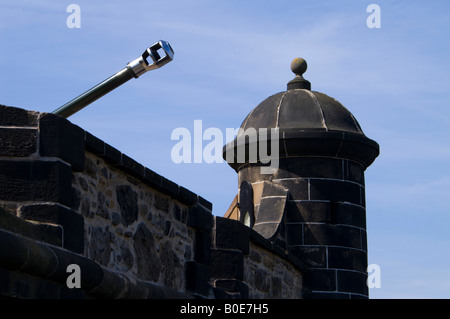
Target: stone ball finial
299 66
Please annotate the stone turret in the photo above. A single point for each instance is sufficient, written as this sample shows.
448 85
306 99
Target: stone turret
312 200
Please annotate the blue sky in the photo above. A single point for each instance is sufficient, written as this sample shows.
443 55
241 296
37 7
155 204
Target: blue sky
231 55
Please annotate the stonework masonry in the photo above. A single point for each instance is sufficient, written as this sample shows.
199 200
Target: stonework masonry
313 203
325 221
125 219
67 197
297 230
271 276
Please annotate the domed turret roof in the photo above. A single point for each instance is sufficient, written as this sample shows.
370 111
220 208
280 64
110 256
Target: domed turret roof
308 123
301 109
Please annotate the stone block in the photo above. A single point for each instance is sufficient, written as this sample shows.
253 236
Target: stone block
132 167
71 222
51 234
152 179
312 256
320 279
171 266
231 234
252 173
35 180
13 116
268 221
347 258
91 272
308 211
334 235
348 214
60 138
161 202
354 172
94 144
19 285
352 282
205 203
227 264
202 247
127 199
304 167
186 196
200 218
276 287
271 209
197 278
168 187
45 261
294 234
13 253
311 144
297 187
332 190
99 244
273 189
18 142
180 213
148 263
267 229
358 148
257 192
233 286
262 278
112 155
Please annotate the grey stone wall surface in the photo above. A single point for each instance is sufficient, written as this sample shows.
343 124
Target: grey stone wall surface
130 227
271 276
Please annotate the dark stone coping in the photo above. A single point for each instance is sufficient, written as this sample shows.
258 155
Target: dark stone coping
51 234
273 247
63 139
197 279
49 263
144 174
232 234
295 142
14 116
72 223
200 218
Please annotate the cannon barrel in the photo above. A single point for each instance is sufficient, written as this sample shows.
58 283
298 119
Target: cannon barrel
151 59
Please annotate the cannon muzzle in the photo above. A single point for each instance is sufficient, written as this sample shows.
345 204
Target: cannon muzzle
154 57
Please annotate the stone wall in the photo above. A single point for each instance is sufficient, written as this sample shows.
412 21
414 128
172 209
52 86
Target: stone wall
269 275
67 197
324 220
126 220
246 265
